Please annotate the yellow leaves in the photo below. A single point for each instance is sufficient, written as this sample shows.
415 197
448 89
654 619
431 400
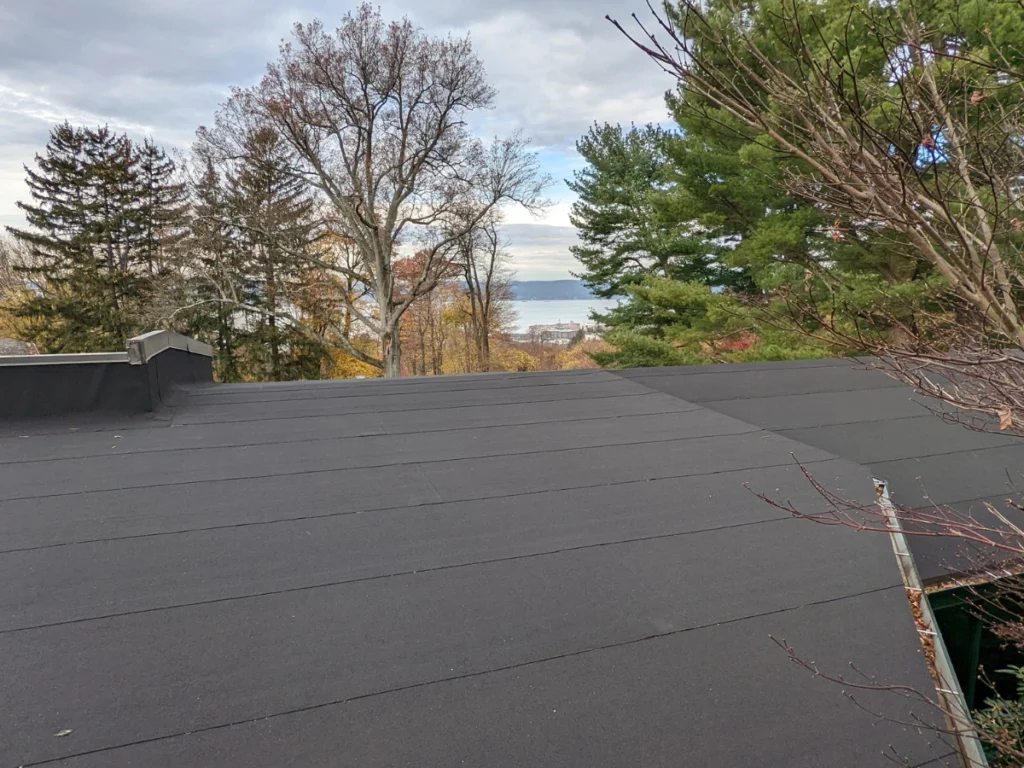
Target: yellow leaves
579 357
508 358
343 366
12 326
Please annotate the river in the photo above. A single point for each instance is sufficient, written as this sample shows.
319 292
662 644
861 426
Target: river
550 312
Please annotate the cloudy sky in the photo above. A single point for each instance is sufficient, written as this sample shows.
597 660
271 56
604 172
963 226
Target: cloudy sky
160 67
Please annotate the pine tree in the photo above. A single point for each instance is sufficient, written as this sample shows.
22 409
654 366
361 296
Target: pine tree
208 276
272 215
162 206
726 187
94 233
625 219
637 219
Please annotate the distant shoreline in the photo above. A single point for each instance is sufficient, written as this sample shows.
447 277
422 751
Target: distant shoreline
550 290
550 311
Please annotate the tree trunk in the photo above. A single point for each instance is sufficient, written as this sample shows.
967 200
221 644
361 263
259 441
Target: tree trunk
275 350
275 347
484 343
391 353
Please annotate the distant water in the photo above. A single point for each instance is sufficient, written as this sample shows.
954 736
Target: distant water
550 312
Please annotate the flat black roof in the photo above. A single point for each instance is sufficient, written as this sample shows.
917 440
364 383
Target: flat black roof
498 570
857 413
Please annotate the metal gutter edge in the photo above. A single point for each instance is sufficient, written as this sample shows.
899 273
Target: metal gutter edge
141 349
68 359
958 716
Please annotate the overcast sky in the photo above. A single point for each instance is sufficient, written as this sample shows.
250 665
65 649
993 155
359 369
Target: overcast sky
160 67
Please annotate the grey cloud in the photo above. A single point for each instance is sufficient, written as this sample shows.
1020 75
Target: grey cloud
558 64
541 251
160 67
160 39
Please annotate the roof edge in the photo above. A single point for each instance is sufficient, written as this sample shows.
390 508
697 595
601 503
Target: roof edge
940 666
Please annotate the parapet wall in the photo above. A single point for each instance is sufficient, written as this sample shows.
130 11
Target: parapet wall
140 379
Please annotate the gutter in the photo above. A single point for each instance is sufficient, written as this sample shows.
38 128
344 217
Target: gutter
951 696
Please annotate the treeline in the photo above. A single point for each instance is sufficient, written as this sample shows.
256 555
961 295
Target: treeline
121 239
308 230
831 203
694 230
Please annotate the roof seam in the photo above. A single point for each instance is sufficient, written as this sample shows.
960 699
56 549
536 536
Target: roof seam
708 403
394 575
397 508
468 675
420 409
383 433
212 401
420 462
166 423
717 368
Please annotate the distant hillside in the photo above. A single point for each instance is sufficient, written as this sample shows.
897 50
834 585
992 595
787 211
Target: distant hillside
549 290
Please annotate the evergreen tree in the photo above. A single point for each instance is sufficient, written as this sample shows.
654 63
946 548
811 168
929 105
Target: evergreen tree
625 216
94 233
735 183
208 276
688 324
272 212
241 281
726 188
162 206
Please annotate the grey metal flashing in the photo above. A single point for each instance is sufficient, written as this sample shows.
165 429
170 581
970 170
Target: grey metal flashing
141 349
68 359
951 696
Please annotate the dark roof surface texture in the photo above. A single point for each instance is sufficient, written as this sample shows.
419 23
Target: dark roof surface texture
862 415
500 570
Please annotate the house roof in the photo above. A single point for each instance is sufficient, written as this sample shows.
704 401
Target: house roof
866 417
506 569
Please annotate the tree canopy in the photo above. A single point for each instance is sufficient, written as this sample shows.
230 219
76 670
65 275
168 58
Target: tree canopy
104 213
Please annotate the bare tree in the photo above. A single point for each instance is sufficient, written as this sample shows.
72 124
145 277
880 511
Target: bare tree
988 567
12 255
484 263
375 114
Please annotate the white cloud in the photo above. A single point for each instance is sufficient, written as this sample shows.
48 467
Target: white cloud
541 251
557 80
159 68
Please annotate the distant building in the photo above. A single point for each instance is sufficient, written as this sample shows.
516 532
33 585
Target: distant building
15 347
560 333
